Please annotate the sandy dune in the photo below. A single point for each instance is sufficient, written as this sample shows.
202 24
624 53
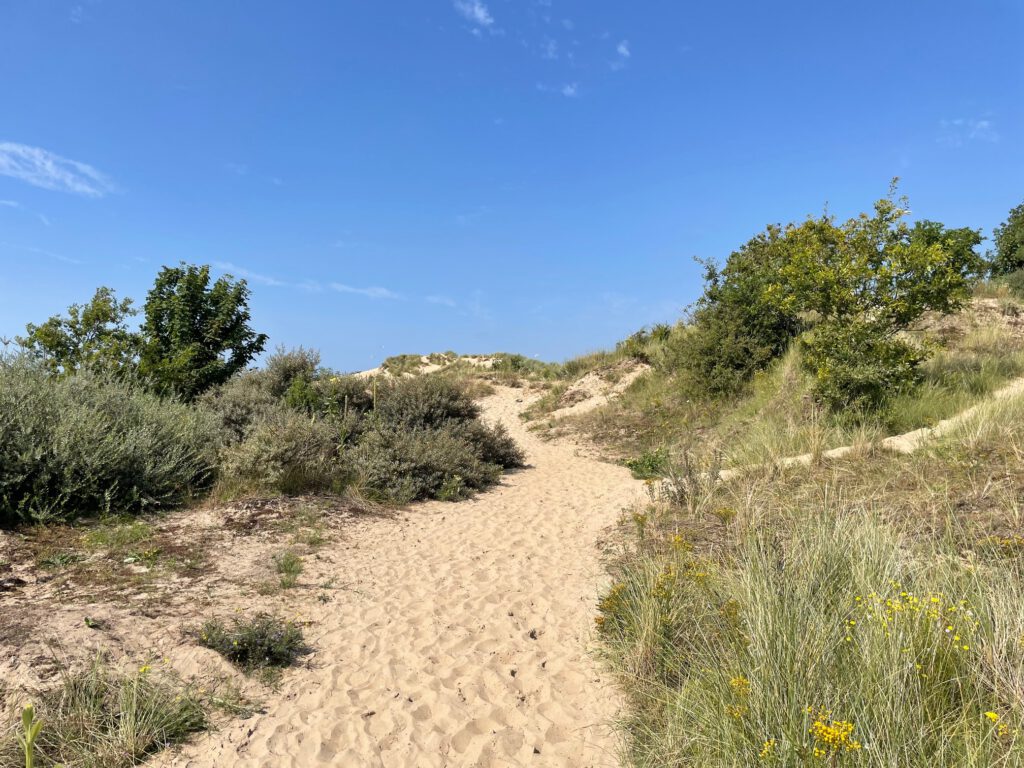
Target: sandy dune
461 637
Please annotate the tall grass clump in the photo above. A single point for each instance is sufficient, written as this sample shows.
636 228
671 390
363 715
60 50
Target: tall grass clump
831 645
89 443
100 718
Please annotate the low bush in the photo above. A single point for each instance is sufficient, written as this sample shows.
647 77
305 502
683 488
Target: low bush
857 366
254 644
88 444
239 404
424 402
1014 281
403 465
99 718
285 452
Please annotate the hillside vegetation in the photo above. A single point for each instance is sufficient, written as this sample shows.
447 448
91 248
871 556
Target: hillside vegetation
862 611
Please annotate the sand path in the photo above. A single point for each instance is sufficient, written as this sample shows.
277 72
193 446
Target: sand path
462 637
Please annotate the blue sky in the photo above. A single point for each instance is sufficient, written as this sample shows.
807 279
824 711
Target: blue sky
526 175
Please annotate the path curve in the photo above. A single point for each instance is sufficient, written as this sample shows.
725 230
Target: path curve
906 443
462 638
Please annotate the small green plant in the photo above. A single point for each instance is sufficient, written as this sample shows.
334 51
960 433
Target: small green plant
649 465
288 566
261 642
30 731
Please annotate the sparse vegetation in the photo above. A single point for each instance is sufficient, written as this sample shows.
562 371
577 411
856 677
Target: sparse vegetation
288 567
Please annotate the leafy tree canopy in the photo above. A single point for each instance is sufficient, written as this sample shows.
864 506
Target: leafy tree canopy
93 335
859 284
196 334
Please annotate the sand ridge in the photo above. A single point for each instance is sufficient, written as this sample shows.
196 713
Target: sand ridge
463 634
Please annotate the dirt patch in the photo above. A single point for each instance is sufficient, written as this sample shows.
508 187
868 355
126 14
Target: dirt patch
132 589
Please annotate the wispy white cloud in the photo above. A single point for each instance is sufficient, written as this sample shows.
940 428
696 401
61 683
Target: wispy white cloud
255 277
373 292
44 169
569 90
77 14
239 169
960 131
549 49
41 252
442 300
9 204
623 54
475 12
44 219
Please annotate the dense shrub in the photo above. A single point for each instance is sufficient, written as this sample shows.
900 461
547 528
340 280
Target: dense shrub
286 366
286 452
88 444
239 404
1015 282
491 444
1009 242
734 329
403 465
423 402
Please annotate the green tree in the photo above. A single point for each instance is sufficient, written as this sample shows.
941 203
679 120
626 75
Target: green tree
93 335
196 335
860 284
1009 240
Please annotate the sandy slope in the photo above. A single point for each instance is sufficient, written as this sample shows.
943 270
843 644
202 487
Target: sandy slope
461 638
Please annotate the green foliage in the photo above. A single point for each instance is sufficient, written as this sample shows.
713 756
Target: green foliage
94 336
862 283
287 366
427 402
30 727
856 366
650 464
89 444
1014 281
875 267
734 329
288 567
99 718
196 335
1009 241
405 464
255 643
285 452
